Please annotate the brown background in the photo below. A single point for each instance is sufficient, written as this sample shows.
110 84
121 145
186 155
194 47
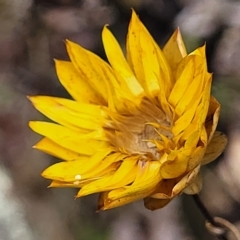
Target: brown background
32 33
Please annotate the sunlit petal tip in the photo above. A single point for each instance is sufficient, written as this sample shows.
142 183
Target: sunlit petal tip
70 45
31 124
47 173
30 97
134 14
35 100
105 26
82 193
35 146
67 41
134 18
55 184
201 51
106 33
177 35
175 50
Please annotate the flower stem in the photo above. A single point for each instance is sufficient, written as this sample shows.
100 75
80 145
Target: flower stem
209 217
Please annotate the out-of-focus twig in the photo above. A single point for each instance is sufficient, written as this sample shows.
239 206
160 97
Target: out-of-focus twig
226 224
217 229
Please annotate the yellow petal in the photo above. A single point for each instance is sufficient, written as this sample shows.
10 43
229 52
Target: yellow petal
146 180
138 128
52 148
146 59
69 113
67 138
175 168
124 175
174 50
216 146
183 81
91 67
119 63
183 122
76 84
78 170
192 140
150 64
199 116
75 184
205 100
194 88
200 51
185 181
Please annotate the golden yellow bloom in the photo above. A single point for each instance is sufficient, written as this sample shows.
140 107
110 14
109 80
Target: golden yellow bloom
139 128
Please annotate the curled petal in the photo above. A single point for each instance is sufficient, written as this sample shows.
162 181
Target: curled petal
154 204
216 146
185 181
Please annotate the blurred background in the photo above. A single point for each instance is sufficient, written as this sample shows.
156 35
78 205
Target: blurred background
32 33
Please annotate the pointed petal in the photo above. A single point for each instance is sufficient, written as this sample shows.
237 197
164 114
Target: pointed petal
124 175
146 59
183 122
76 84
199 112
146 180
75 141
216 146
52 148
78 170
119 63
194 85
92 68
205 101
150 63
174 50
74 115
183 81
75 184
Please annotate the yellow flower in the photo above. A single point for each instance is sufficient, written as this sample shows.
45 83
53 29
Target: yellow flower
139 128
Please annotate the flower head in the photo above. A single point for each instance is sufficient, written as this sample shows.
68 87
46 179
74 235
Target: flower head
138 128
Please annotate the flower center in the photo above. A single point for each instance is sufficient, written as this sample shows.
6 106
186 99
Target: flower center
137 134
